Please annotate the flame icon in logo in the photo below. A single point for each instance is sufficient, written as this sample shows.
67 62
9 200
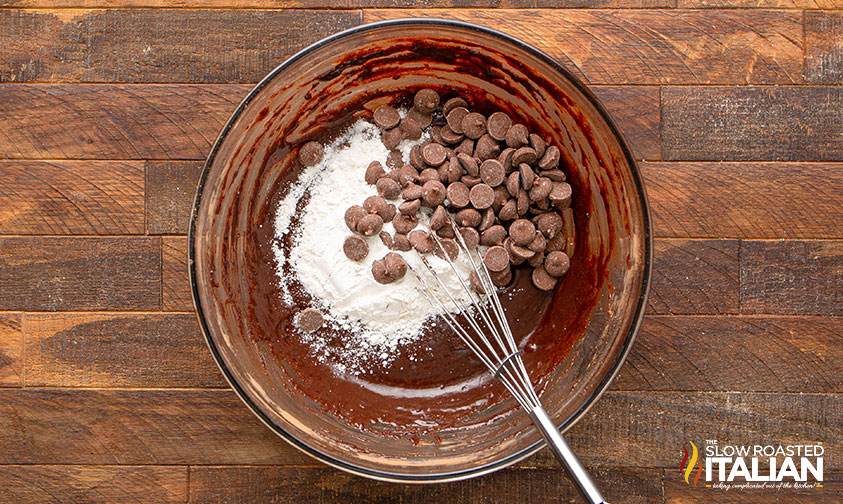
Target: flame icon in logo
690 467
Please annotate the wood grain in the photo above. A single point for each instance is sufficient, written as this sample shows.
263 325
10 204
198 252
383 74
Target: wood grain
171 188
676 491
71 197
174 275
339 4
824 47
117 350
113 121
80 273
636 111
65 426
695 277
11 350
760 4
747 353
149 45
92 484
752 124
792 277
245 485
629 46
746 200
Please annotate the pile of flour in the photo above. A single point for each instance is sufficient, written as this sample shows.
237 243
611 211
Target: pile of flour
380 318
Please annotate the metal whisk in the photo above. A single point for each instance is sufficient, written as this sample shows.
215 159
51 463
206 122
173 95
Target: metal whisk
492 342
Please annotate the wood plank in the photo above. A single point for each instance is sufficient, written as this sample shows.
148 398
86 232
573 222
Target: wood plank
629 46
117 350
90 273
747 353
174 275
113 121
792 277
93 484
71 197
338 4
65 426
752 124
695 277
212 427
11 350
636 111
760 4
244 485
149 45
824 47
171 189
678 492
746 200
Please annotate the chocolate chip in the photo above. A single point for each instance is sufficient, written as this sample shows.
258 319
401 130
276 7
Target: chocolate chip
517 251
550 159
353 216
391 138
378 205
404 223
496 258
455 170
310 154
370 225
309 320
412 191
481 196
557 263
538 244
386 117
420 118
386 238
501 197
522 231
380 273
355 248
455 118
374 172
541 189
388 188
394 159
426 101
428 174
501 279
524 155
542 280
465 147
498 124
558 242
409 207
400 242
514 259
555 175
492 172
438 218
505 157
509 211
416 158
475 283
522 202
470 181
446 232
538 144
560 195
406 175
493 236
421 241
410 130
433 154
449 136
516 136
395 265
540 206
469 164
458 194
436 135
452 104
448 246
537 260
549 223
433 193
468 217
513 184
488 220
470 236
394 175
486 148
473 125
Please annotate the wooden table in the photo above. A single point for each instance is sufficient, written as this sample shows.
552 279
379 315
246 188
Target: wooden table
107 108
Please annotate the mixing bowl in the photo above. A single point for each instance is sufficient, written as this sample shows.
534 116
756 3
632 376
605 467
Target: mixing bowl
585 331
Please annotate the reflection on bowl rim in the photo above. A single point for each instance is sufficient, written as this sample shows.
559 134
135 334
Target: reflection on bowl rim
604 383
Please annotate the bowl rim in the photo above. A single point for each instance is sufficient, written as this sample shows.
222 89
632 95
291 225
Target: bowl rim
602 385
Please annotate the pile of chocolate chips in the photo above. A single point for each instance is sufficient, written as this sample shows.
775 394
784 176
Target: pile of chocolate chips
501 184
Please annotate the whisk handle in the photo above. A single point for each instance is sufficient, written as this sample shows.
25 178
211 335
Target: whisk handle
566 456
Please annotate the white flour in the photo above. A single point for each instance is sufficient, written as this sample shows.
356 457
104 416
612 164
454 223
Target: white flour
380 317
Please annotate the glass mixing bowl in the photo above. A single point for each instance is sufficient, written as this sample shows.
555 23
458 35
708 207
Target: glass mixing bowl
596 309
